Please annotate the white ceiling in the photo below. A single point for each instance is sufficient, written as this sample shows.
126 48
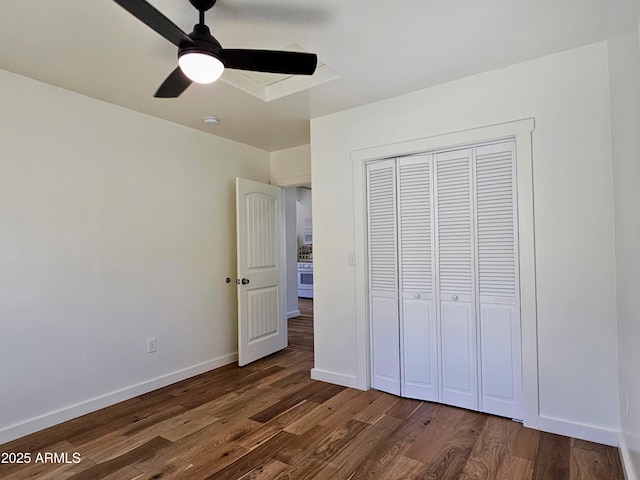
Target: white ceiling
380 48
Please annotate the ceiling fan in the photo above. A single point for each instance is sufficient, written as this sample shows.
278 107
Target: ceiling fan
202 59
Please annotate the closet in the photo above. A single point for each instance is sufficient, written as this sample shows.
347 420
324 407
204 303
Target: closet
443 277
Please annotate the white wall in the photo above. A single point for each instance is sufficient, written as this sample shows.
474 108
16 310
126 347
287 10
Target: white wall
567 94
114 227
304 212
624 67
291 167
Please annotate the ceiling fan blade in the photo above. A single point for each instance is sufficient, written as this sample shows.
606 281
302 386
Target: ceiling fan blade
147 14
272 61
176 83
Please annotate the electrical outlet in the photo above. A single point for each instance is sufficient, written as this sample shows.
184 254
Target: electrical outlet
152 345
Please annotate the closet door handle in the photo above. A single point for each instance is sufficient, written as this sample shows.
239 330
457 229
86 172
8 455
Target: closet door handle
454 297
416 295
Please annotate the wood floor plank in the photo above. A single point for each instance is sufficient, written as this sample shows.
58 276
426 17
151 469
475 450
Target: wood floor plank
441 422
249 403
256 457
125 473
276 424
451 444
47 470
174 469
267 471
350 408
172 428
286 403
400 467
208 393
316 447
489 451
404 407
143 423
594 464
270 420
344 465
329 391
110 446
515 467
190 449
321 412
527 443
150 449
304 469
395 444
553 459
215 459
222 401
378 407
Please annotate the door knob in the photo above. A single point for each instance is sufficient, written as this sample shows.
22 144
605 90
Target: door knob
416 295
454 297
245 281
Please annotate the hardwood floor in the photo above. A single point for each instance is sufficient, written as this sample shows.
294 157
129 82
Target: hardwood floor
269 420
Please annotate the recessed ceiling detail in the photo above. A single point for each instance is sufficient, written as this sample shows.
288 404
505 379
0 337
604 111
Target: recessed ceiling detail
271 86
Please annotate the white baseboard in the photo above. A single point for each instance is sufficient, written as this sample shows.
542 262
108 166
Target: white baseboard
295 313
582 431
625 457
333 377
41 422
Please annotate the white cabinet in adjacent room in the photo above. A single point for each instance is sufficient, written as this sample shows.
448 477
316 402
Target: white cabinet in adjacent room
443 278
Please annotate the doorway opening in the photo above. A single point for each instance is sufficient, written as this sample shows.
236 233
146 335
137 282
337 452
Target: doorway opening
301 327
299 248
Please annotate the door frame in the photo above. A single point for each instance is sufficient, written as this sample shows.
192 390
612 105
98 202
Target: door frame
521 131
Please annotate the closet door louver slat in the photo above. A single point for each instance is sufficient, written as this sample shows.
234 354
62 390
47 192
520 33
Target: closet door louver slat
454 224
495 224
415 226
382 229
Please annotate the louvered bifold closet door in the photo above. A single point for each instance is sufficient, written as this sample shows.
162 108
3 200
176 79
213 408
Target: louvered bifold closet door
383 276
456 278
498 286
417 306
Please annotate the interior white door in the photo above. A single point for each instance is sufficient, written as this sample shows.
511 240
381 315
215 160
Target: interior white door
262 325
419 346
456 278
443 278
383 277
498 291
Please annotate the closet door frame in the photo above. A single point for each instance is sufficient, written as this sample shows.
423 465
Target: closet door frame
520 130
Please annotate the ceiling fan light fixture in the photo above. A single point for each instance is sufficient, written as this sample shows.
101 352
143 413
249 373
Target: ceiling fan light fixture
200 67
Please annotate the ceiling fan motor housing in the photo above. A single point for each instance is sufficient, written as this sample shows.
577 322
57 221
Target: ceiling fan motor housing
203 5
203 42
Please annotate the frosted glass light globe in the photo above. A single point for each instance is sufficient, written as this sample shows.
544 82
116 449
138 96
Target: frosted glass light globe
200 67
